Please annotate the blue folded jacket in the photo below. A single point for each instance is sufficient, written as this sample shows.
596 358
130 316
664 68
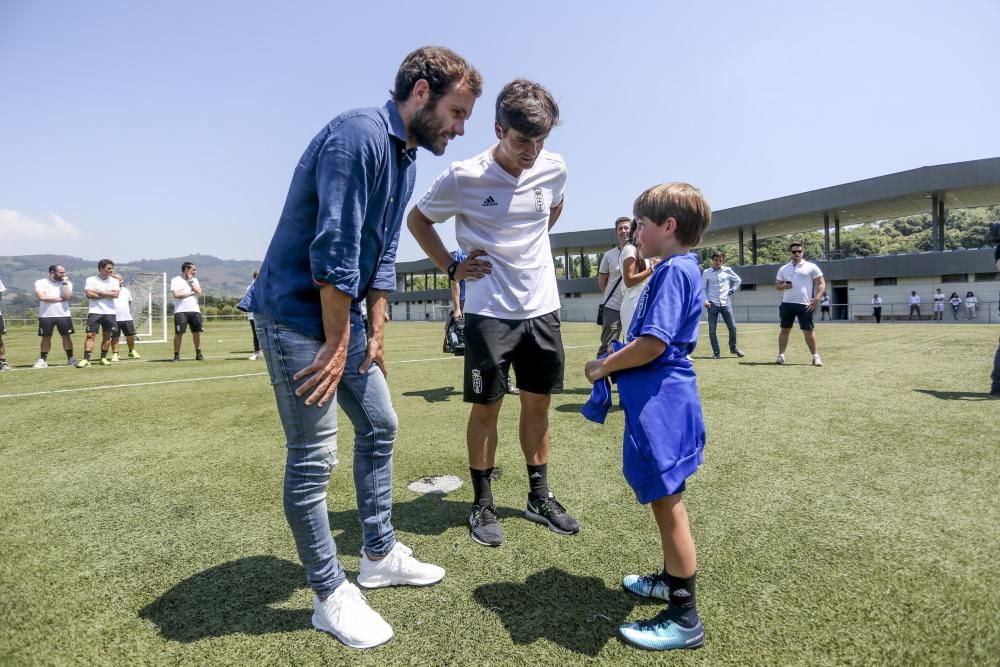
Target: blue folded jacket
597 406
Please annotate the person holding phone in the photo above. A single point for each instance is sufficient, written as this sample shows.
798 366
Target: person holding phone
803 286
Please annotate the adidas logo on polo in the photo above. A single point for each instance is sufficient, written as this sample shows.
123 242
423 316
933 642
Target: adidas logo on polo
490 201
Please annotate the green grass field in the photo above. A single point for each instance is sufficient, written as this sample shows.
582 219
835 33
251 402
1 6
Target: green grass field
844 514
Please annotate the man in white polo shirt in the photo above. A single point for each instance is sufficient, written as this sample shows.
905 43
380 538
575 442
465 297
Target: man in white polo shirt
3 329
126 324
54 295
609 281
186 290
504 202
803 286
102 290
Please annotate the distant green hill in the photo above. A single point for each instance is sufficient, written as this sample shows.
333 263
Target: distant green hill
219 277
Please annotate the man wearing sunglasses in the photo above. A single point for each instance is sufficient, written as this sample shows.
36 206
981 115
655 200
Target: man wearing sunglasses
803 286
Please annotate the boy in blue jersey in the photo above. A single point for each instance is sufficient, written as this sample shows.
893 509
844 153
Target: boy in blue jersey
664 428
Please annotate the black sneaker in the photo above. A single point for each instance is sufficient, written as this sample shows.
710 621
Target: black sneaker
483 526
549 512
176 358
199 357
739 353
716 356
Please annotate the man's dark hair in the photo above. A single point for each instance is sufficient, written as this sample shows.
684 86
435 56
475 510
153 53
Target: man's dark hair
718 253
53 267
622 219
795 244
527 107
186 265
104 262
440 67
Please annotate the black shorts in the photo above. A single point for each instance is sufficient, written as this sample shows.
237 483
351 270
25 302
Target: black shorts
533 346
109 323
127 328
182 320
3 326
789 311
47 324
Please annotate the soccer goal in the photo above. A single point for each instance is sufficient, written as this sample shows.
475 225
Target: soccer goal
149 306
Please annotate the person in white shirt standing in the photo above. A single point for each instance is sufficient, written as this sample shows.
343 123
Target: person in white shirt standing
914 304
877 308
636 271
803 286
186 290
101 290
54 295
504 202
609 281
720 283
126 325
939 305
4 366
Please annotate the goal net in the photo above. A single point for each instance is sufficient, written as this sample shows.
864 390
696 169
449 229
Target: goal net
149 306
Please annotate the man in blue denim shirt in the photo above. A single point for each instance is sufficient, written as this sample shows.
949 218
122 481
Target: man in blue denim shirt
333 250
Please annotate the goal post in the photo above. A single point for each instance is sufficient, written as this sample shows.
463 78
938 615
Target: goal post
149 306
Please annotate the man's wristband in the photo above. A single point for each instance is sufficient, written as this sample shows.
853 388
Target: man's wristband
451 270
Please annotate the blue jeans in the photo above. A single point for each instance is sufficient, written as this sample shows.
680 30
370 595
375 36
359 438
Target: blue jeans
311 435
713 321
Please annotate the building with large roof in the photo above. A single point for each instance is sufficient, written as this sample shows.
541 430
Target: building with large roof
851 281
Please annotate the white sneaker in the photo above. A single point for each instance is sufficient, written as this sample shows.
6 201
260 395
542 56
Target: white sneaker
398 568
254 357
817 361
780 360
41 363
347 616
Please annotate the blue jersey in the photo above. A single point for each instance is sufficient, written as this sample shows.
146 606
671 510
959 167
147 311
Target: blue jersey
664 427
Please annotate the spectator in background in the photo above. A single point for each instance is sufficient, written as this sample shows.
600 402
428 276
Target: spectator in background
54 295
635 271
4 366
609 281
803 285
956 302
877 308
720 283
824 308
939 305
970 305
126 324
914 304
257 354
186 289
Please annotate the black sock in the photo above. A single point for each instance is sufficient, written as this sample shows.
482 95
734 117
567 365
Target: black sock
86 355
682 599
69 354
177 355
45 356
197 351
538 481
104 353
481 486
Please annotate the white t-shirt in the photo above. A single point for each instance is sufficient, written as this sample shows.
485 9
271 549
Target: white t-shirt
611 264
971 301
508 218
914 299
188 304
52 290
2 289
104 306
877 301
123 305
802 277
631 296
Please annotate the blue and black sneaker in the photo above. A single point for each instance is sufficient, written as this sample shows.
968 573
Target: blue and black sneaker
548 512
484 527
662 633
647 585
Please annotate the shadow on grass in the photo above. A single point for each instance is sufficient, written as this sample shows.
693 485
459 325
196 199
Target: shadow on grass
576 407
428 514
234 597
771 363
959 395
577 613
436 395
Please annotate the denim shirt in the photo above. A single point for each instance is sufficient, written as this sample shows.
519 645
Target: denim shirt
341 221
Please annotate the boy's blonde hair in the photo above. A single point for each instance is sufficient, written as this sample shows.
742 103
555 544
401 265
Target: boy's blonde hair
681 201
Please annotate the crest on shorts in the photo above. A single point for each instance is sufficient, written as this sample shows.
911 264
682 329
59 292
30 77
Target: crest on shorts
539 201
477 381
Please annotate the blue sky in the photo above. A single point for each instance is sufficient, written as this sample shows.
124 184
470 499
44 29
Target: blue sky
139 130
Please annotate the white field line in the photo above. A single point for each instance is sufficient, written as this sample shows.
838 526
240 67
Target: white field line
49 392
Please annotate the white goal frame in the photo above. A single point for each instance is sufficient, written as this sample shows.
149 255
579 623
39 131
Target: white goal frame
145 301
